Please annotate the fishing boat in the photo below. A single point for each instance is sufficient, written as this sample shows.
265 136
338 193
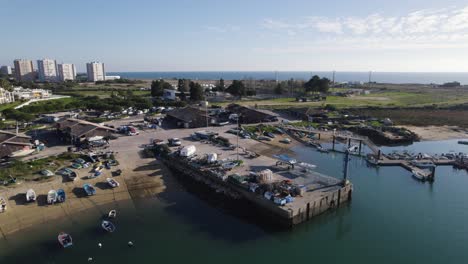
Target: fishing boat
3 205
30 195
463 142
108 226
65 240
89 189
112 214
423 163
113 183
61 197
51 197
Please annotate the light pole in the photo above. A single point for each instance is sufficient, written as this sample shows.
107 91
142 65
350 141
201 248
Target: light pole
238 137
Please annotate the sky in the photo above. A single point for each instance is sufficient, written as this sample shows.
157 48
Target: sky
240 35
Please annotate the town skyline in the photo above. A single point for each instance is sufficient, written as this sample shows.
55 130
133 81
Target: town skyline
421 36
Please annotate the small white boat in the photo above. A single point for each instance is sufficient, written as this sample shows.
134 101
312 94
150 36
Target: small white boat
108 226
419 175
113 183
307 166
285 140
51 197
30 195
3 205
112 214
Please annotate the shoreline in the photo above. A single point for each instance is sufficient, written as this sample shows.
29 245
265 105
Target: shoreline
437 133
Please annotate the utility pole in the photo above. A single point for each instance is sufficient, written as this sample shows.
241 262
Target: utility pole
345 169
238 129
370 79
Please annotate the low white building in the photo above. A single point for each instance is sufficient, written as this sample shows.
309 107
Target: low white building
6 96
27 94
112 77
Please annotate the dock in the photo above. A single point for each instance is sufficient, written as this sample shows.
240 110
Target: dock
318 193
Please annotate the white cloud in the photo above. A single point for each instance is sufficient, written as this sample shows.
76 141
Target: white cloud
427 29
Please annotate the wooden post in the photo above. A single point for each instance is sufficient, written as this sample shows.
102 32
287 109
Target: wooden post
319 136
360 146
333 143
378 155
349 142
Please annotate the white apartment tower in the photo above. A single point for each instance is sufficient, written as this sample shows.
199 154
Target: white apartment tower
47 69
95 71
24 70
66 72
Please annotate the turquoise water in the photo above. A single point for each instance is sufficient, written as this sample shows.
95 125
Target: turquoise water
391 219
382 77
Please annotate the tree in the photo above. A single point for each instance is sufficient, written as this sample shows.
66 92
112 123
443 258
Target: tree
236 88
278 89
196 91
18 115
4 83
158 86
317 84
220 85
180 84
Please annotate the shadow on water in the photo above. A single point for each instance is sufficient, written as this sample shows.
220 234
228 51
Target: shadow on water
236 221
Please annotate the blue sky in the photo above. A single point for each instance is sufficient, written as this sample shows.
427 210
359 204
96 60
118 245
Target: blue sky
209 35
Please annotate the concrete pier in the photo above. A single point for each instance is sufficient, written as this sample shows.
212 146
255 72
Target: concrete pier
322 192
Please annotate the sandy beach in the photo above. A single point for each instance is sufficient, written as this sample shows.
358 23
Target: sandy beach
438 132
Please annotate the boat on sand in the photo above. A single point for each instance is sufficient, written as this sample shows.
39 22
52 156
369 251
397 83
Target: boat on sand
31 195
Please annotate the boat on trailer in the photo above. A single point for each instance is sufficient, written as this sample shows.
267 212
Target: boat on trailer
51 197
61 197
89 189
31 195
113 183
108 226
65 240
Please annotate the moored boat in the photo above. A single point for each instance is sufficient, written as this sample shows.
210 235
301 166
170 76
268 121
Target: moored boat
3 205
112 214
113 183
30 195
51 197
61 197
65 240
89 189
108 226
419 175
463 142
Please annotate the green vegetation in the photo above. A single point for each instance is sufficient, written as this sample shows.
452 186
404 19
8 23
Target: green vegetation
196 92
158 86
31 170
237 88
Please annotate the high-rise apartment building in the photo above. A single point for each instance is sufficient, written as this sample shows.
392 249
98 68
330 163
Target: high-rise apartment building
6 70
47 70
95 71
24 70
66 71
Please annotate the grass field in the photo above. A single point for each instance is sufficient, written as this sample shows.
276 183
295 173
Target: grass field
99 93
376 99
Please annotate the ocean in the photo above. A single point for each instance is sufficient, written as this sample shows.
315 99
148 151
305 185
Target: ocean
391 219
381 77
